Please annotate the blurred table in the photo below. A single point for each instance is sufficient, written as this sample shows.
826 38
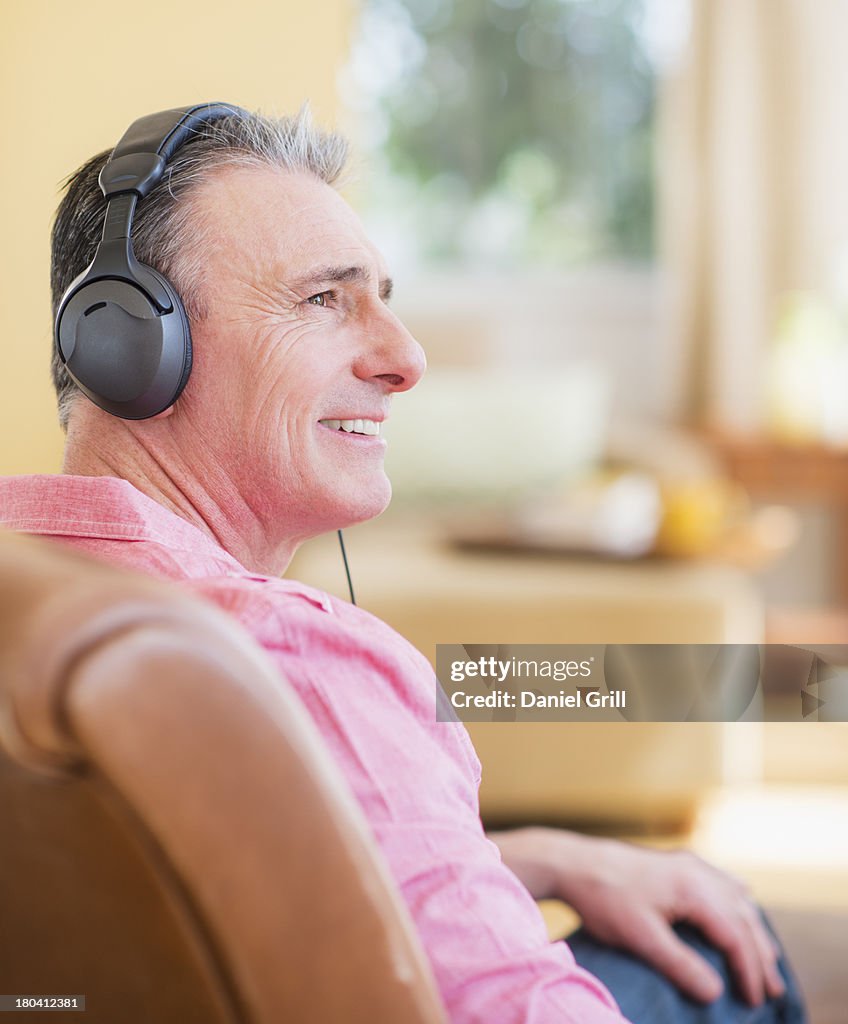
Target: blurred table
430 592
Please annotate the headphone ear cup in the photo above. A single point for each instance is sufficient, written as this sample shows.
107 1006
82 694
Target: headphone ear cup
179 335
123 353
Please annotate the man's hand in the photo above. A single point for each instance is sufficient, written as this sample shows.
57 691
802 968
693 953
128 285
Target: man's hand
629 897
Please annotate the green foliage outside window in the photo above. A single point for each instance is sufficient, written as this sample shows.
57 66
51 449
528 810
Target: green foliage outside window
517 130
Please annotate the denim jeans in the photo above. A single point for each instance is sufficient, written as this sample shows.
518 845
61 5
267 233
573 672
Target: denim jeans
646 997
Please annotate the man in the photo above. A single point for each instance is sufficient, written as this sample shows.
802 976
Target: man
297 357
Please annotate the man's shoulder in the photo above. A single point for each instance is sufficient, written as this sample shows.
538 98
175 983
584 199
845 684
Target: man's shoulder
259 599
284 614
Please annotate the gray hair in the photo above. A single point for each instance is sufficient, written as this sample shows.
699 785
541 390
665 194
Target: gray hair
163 234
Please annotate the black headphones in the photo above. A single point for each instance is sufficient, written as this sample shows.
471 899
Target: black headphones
121 329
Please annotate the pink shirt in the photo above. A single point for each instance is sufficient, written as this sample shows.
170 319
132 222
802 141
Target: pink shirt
372 696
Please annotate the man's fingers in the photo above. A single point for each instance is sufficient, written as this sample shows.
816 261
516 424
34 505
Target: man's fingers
729 928
660 946
768 951
732 921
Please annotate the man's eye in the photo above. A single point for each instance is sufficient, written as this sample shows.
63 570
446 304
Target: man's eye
320 299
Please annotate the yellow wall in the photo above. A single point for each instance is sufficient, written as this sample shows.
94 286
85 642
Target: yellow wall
73 77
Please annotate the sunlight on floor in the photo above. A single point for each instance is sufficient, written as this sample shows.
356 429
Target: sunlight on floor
789 842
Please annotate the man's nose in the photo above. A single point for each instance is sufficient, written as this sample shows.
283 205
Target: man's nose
393 356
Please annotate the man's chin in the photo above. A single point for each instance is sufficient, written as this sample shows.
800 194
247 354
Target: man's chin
360 506
370 506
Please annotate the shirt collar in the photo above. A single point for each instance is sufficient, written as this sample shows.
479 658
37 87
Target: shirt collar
101 507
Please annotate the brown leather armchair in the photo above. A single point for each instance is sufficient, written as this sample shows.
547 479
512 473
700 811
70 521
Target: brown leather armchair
175 843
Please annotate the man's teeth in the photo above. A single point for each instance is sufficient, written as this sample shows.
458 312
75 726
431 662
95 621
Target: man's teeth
371 427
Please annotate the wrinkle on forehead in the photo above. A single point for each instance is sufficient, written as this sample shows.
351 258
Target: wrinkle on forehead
272 223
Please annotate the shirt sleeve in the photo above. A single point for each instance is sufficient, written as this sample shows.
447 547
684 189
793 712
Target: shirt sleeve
488 945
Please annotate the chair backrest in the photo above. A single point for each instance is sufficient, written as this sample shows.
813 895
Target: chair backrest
175 843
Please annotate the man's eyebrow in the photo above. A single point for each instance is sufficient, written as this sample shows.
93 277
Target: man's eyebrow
341 274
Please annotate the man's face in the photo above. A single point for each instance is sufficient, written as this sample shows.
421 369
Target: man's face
297 337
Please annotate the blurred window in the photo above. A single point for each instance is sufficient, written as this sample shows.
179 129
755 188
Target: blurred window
508 132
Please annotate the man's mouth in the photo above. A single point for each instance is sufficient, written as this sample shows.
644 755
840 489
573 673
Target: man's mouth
370 428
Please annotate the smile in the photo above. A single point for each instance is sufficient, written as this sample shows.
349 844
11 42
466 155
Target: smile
370 428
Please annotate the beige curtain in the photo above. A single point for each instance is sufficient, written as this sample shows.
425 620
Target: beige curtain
753 171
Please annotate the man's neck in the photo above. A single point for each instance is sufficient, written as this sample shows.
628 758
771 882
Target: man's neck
199 494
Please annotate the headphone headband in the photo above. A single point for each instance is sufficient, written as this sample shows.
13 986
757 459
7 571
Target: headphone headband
146 147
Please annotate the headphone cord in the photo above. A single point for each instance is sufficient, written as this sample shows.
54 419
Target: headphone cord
347 567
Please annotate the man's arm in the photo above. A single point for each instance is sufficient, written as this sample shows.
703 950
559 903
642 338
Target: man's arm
629 896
